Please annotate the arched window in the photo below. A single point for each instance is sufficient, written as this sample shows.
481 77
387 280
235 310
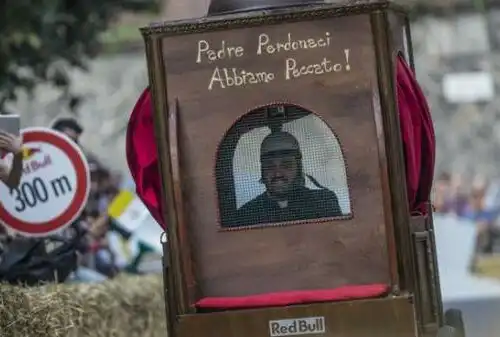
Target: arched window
280 164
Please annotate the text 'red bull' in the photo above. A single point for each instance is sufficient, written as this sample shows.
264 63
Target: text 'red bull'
297 326
31 164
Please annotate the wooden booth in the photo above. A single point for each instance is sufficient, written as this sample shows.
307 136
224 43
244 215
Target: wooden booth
284 176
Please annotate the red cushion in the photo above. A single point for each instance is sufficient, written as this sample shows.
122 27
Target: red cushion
295 297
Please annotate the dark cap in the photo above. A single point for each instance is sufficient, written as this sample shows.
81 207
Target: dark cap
67 123
279 142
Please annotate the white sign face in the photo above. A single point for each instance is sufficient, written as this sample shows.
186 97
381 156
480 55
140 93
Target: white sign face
54 187
297 326
469 87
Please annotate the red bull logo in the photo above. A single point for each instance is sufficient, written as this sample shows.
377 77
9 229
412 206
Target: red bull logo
297 326
29 152
30 163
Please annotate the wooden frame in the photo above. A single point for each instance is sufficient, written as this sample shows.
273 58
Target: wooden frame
388 317
429 306
183 287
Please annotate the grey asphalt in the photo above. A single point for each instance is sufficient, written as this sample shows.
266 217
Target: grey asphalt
477 297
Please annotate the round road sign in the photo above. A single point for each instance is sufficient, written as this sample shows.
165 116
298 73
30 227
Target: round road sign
54 187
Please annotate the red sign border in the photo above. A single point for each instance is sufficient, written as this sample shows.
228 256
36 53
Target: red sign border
76 206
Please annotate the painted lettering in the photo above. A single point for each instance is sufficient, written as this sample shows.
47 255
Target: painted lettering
292 46
212 55
295 70
265 45
233 77
35 165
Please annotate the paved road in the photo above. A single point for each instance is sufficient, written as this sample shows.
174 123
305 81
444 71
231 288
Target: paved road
482 317
477 297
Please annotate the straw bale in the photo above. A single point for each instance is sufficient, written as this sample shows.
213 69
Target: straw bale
128 306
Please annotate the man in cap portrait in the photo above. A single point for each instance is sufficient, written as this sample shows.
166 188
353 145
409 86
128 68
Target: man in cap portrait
286 197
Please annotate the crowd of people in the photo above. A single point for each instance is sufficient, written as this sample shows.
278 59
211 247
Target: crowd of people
95 259
476 199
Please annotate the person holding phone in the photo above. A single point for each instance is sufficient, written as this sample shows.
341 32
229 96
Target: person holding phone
9 143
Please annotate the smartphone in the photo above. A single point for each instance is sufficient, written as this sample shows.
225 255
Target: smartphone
10 124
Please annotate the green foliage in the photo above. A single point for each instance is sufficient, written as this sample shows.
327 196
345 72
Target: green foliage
142 5
41 39
480 5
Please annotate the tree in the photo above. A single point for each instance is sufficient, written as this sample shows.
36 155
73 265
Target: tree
41 39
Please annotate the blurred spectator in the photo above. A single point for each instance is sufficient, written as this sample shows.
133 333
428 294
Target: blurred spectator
443 200
479 202
91 265
70 127
103 257
84 271
450 194
474 209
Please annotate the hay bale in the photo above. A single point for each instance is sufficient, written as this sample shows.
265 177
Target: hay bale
124 307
